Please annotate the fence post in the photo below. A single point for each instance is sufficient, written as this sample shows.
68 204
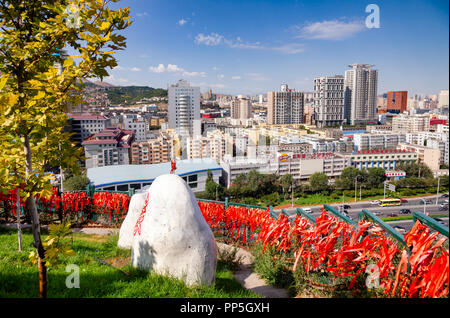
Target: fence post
226 203
130 192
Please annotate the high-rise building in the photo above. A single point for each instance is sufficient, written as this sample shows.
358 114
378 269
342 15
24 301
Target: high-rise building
329 100
184 108
241 108
443 98
360 98
397 101
285 107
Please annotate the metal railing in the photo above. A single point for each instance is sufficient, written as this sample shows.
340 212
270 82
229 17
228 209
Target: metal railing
302 213
339 214
430 222
366 214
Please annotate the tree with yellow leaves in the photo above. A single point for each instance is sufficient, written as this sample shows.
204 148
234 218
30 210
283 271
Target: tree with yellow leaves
39 79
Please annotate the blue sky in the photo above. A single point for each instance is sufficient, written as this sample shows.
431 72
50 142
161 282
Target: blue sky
251 47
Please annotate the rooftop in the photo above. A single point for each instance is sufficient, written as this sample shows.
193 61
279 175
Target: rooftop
103 176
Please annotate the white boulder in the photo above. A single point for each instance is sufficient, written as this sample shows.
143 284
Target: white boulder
175 239
135 207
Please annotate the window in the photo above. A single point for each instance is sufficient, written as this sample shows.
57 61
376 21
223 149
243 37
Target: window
192 178
122 187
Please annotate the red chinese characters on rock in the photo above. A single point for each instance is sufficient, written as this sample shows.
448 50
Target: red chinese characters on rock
137 227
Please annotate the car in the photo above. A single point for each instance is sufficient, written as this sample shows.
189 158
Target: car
445 195
425 201
443 207
377 213
403 201
405 211
374 202
392 214
307 210
399 229
345 207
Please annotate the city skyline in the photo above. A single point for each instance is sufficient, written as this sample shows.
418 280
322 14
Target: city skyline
270 43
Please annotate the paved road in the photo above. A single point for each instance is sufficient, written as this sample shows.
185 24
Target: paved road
413 205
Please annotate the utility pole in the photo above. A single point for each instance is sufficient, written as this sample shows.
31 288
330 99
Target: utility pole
384 190
360 186
356 181
292 195
437 192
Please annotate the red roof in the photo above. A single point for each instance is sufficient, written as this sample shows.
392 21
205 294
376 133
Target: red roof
99 142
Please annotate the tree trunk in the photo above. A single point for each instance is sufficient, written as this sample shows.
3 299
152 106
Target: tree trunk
31 204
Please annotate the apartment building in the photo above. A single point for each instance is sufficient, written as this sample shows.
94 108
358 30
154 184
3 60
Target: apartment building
138 124
285 106
410 124
377 141
360 95
152 151
241 108
206 147
429 156
85 125
329 100
109 147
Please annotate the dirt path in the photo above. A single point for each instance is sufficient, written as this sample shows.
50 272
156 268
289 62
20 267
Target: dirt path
250 280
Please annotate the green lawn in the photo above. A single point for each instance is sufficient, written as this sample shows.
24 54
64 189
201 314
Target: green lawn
19 278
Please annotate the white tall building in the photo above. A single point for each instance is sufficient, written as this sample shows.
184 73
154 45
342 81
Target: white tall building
241 108
184 108
443 98
138 124
329 100
360 94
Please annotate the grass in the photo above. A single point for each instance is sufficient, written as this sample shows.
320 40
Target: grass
409 217
19 278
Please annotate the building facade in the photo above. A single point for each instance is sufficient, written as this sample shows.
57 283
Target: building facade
383 158
241 108
329 100
285 107
109 147
85 125
184 108
397 101
152 151
360 96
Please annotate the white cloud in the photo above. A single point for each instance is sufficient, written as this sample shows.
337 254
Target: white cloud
172 68
214 68
211 40
221 76
236 77
121 68
182 22
215 39
330 30
158 69
142 14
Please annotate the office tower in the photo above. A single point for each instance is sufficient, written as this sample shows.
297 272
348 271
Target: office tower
184 108
360 96
397 101
329 100
285 107
241 108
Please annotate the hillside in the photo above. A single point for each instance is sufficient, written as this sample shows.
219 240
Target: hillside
132 94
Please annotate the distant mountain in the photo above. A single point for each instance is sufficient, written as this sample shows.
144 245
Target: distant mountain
103 84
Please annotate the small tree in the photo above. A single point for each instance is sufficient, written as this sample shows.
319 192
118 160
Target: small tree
286 182
318 181
375 177
76 183
38 80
